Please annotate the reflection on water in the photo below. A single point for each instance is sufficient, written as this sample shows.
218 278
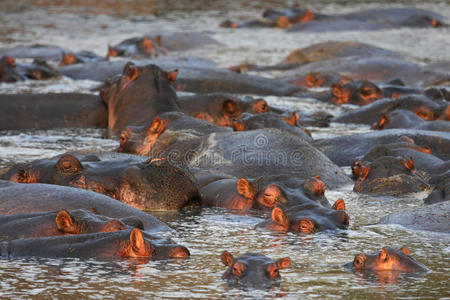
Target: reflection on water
317 260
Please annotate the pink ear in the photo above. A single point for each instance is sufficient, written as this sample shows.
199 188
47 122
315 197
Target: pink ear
172 76
283 263
227 258
405 250
279 217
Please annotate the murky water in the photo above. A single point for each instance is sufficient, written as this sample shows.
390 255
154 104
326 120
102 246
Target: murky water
316 271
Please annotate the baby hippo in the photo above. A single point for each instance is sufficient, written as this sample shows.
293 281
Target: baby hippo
387 260
62 222
253 270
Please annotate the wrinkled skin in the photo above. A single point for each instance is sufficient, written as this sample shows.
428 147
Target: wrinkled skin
153 46
420 105
123 244
263 193
70 58
372 19
388 176
269 120
138 95
220 109
140 140
48 111
62 222
143 185
307 218
18 198
342 150
10 71
387 260
433 217
251 154
253 270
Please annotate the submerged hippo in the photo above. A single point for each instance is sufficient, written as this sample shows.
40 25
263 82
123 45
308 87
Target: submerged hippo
401 118
253 270
62 222
433 217
10 71
36 51
441 187
123 244
18 198
138 95
387 260
144 185
220 108
307 218
70 58
48 111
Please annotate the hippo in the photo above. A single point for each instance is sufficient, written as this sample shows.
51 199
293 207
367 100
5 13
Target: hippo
421 105
263 193
123 244
138 95
36 51
441 187
144 185
140 139
10 71
372 19
48 111
250 154
70 58
194 75
271 120
160 44
253 270
62 222
387 260
321 52
388 175
19 198
375 69
307 218
342 150
220 108
433 217
401 118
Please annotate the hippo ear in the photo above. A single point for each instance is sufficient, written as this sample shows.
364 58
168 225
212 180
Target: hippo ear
230 107
68 164
131 71
279 217
238 125
157 127
283 263
172 76
111 52
200 116
339 204
315 186
292 119
113 225
260 106
383 254
158 40
64 221
245 189
405 250
137 239
409 164
227 258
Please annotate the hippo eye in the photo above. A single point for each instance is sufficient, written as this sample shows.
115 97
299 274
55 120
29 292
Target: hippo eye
123 138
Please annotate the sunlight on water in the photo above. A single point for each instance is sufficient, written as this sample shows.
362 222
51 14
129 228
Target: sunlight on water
317 260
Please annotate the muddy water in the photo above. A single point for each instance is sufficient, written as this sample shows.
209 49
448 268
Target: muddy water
316 271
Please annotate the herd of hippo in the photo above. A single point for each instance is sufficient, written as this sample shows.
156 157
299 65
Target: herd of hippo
213 147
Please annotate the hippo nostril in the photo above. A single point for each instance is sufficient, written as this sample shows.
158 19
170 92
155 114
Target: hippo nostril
306 226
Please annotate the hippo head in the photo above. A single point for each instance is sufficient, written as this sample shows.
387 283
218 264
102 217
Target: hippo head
82 221
308 218
142 247
266 120
387 259
319 79
253 270
356 92
8 70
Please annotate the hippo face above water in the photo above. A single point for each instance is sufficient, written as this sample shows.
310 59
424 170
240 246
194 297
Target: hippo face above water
356 92
387 259
253 270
